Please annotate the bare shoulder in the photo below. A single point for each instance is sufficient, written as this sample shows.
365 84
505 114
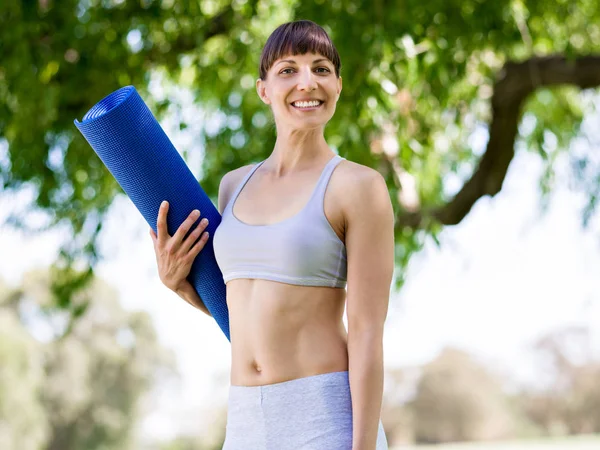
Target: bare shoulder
353 178
353 171
355 186
228 183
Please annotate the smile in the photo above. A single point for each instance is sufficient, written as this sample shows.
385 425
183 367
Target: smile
307 106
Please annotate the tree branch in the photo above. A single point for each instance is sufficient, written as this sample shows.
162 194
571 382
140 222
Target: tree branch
516 82
221 23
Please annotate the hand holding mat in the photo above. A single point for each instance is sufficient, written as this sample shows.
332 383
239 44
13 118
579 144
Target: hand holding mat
132 145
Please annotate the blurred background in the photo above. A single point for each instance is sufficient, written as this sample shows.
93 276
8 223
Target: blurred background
483 118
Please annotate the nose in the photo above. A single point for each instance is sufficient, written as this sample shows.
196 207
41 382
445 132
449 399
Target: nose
307 80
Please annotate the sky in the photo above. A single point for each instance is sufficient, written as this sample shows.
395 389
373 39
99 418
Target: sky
501 278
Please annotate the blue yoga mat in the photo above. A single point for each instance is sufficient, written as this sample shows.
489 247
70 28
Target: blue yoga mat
132 145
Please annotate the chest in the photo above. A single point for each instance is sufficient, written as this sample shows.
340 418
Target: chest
264 202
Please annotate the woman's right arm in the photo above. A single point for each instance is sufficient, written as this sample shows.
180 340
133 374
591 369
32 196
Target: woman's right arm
175 255
189 294
178 283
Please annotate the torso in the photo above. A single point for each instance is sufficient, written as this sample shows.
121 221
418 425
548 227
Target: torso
280 331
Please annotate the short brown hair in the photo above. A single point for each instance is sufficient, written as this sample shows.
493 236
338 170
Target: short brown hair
297 38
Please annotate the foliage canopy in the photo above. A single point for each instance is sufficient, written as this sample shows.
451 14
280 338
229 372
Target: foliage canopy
419 79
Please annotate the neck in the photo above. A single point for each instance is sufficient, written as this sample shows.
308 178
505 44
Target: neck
298 150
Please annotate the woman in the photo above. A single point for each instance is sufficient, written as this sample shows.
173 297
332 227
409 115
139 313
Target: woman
296 228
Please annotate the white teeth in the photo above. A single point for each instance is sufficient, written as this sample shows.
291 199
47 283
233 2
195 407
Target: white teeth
306 104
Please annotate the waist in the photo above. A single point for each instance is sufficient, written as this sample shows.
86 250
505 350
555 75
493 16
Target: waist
282 332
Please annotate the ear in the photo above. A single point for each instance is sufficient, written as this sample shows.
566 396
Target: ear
262 91
339 89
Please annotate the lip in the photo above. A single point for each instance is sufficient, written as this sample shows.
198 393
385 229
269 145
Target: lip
307 100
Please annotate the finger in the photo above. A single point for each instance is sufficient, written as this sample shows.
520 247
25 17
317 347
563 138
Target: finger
198 246
194 235
184 228
161 222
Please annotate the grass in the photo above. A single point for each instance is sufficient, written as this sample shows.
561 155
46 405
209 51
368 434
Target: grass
583 442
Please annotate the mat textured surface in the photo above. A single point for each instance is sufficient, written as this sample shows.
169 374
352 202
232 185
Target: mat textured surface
133 146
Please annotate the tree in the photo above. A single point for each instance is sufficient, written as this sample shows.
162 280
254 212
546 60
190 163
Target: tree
21 381
80 387
458 399
396 416
419 79
568 402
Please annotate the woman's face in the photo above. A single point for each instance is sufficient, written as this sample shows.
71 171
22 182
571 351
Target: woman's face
294 83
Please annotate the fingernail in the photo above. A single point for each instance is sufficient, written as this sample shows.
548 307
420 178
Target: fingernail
204 221
164 202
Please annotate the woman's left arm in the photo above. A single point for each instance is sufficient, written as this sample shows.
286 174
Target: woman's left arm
370 251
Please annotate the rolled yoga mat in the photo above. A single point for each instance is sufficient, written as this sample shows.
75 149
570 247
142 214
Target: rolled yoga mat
132 145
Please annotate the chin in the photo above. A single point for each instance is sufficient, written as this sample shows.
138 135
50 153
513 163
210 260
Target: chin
311 122
309 125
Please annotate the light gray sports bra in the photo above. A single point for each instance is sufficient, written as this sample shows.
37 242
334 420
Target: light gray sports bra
302 249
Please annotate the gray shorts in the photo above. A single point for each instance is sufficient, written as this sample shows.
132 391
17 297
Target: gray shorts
310 413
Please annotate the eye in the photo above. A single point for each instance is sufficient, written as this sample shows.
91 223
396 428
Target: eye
318 68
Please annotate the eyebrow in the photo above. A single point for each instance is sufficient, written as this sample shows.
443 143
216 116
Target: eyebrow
294 62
